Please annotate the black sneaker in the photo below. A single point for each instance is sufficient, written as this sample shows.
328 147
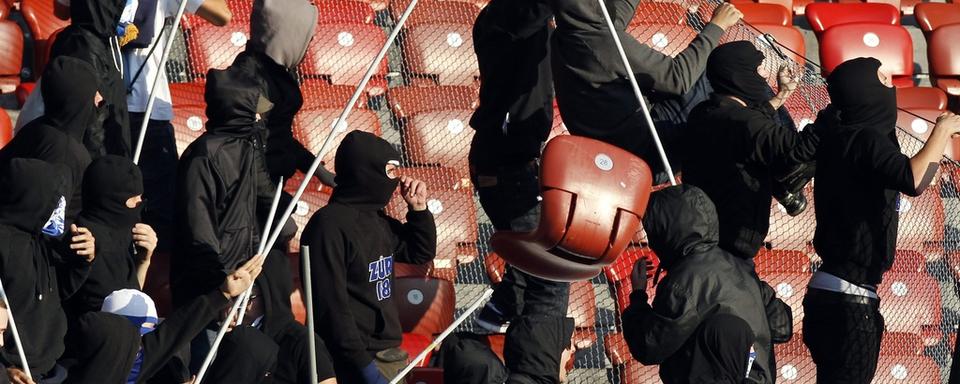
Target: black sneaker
492 319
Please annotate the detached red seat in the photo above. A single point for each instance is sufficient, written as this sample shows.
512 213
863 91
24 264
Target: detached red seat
426 307
891 44
593 197
931 16
669 39
42 23
453 208
189 123
11 56
943 51
823 16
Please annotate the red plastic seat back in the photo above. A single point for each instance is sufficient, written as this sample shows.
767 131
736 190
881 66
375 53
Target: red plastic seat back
944 49
788 37
823 16
38 14
425 305
932 16
343 51
6 128
215 47
766 14
656 12
909 302
443 50
593 195
891 44
11 46
312 126
921 224
345 11
669 39
189 122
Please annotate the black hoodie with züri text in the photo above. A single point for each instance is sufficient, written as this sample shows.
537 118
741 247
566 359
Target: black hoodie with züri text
354 246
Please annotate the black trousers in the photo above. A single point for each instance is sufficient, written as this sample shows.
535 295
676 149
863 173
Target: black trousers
719 352
509 198
843 333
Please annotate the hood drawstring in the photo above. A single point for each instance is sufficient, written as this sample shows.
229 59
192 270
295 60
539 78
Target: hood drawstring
116 54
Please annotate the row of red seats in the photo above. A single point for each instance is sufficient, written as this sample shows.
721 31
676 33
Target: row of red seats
799 7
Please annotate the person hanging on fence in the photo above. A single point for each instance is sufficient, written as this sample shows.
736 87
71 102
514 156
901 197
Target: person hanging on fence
860 176
707 322
280 32
221 207
512 121
141 60
354 246
92 37
32 205
738 152
594 95
538 349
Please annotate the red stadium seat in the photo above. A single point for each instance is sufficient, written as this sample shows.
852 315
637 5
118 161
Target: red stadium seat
189 123
789 41
931 16
436 121
414 344
781 261
316 196
495 267
439 11
626 369
451 202
909 261
6 128
593 197
4 10
11 44
342 52
669 39
320 94
795 233
187 93
559 128
791 288
794 364
823 16
909 301
38 14
907 369
944 55
312 126
919 123
345 11
922 224
921 97
657 12
443 51
409 101
425 305
766 14
210 46
583 310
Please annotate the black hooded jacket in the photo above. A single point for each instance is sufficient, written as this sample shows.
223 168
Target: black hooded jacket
512 41
108 182
734 153
702 280
354 246
28 264
860 174
91 37
217 192
593 92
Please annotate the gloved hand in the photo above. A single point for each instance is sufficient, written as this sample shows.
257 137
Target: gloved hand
372 375
643 270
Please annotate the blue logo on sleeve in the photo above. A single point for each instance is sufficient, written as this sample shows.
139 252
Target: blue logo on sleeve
380 272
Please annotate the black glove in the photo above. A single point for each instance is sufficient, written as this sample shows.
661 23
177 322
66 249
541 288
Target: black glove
641 272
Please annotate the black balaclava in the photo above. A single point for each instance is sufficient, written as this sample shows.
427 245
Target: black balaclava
863 101
362 180
99 16
233 100
68 88
732 71
107 185
680 221
31 191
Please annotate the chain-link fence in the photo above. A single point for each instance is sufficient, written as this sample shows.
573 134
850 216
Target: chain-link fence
421 98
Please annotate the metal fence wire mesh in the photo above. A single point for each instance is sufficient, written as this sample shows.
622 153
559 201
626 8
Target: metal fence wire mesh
421 98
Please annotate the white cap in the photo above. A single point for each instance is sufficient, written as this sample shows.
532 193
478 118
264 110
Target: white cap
131 303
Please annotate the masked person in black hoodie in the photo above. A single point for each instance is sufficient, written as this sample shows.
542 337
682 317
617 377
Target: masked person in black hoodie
739 153
92 37
538 350
280 32
32 204
513 120
354 246
707 323
593 93
860 175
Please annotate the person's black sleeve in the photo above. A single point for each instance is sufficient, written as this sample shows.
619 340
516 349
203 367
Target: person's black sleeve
198 194
776 145
418 237
671 75
779 314
72 270
177 330
878 157
534 348
655 333
329 251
